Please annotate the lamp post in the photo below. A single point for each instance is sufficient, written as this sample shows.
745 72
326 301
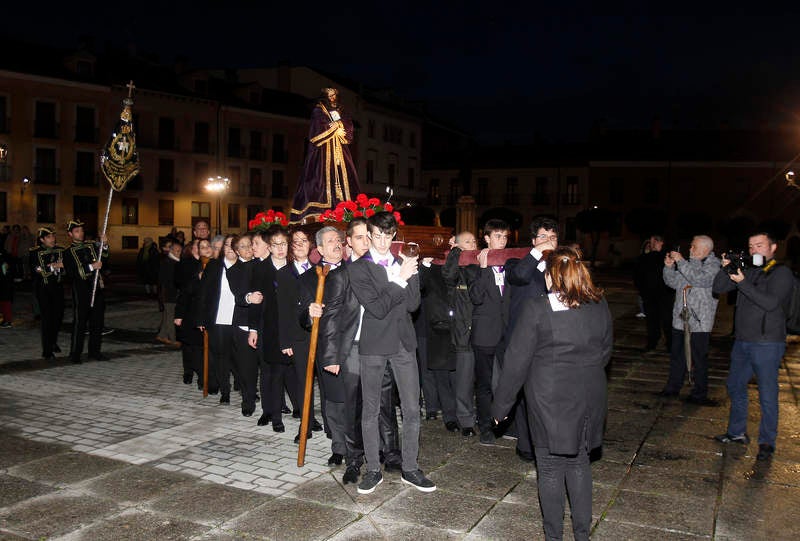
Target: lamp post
218 185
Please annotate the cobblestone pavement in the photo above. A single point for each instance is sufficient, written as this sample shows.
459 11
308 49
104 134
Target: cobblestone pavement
124 450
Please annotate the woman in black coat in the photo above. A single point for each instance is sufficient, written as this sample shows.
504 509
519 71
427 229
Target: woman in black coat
558 351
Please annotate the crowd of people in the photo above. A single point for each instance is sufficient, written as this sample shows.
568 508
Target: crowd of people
515 348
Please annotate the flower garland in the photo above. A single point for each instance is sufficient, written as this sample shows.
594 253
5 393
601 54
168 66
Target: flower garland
264 220
363 206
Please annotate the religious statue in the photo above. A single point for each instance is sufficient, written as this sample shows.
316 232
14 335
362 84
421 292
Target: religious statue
329 175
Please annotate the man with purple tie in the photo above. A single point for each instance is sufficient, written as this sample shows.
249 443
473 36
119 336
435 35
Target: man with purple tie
388 291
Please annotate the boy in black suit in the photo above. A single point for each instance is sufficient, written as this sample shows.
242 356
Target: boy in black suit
388 291
489 320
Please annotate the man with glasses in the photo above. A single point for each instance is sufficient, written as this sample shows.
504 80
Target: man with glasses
388 291
525 278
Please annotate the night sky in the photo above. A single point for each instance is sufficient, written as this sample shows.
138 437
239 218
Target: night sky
509 73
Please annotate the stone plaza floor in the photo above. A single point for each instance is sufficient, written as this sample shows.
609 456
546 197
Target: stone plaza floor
124 450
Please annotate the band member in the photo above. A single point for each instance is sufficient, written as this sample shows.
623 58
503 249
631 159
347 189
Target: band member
46 262
81 261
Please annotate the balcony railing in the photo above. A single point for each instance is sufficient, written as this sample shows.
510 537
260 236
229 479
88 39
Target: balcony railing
511 199
169 144
86 178
47 130
237 151
280 192
46 175
86 134
5 173
201 147
570 199
280 155
257 190
167 185
258 153
482 199
540 199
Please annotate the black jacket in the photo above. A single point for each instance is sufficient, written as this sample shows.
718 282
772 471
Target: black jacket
490 309
457 279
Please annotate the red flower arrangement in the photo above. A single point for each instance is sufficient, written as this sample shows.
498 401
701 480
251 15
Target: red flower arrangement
363 206
263 220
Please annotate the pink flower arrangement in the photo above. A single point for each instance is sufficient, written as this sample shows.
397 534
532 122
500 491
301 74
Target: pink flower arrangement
363 206
263 220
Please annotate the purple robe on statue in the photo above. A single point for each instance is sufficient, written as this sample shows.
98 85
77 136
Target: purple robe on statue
329 175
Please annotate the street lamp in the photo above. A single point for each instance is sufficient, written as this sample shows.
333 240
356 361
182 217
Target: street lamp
218 185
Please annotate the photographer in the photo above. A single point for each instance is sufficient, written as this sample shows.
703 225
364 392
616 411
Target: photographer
760 338
697 273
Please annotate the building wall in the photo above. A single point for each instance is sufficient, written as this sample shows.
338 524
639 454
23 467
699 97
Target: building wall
191 161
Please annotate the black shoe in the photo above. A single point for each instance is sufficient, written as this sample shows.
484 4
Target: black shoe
76 360
667 394
393 466
351 474
467 432
236 386
285 410
431 415
49 357
702 401
525 456
187 378
335 459
487 437
296 414
316 426
225 398
98 357
264 419
451 426
297 438
248 411
418 480
744 439
765 451
56 349
213 390
278 427
370 480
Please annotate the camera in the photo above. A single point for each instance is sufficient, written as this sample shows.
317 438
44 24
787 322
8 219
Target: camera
738 260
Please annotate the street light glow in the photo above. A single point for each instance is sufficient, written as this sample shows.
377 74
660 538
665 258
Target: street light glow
217 184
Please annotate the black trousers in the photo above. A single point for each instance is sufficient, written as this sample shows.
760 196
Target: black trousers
484 368
351 380
246 360
658 309
300 369
220 341
677 363
554 473
84 316
51 308
273 381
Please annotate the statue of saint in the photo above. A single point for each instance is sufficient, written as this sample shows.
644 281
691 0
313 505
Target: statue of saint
329 175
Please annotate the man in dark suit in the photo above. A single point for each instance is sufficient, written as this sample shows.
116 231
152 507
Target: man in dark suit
526 280
489 321
388 291
263 325
330 376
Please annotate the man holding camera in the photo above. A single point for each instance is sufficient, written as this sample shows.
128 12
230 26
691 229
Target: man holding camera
691 279
760 340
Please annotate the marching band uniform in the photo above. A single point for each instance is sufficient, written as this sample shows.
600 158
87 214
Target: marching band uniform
78 258
49 290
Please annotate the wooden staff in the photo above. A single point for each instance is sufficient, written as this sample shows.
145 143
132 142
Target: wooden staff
204 261
322 272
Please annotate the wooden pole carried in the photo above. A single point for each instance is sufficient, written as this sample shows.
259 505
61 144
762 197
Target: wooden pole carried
322 272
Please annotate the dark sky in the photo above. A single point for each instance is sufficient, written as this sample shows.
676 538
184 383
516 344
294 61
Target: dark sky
503 72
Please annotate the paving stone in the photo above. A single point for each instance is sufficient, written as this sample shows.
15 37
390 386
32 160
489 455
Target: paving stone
15 449
676 483
609 530
53 515
133 484
671 458
289 519
509 521
137 525
66 468
487 481
748 510
208 503
15 489
439 509
688 514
